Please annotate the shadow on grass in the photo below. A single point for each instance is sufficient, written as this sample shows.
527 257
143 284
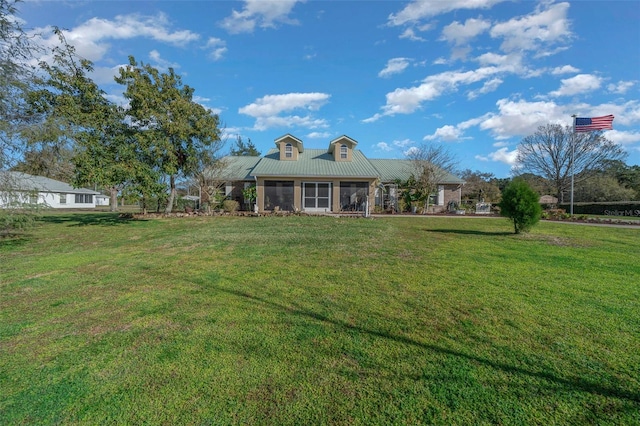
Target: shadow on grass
469 232
86 219
576 384
13 240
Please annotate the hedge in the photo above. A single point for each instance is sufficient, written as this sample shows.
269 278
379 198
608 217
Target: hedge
606 209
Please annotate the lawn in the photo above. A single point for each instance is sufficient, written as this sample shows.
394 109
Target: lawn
318 320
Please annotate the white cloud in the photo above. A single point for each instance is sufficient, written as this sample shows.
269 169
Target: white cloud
259 13
105 75
566 69
460 34
308 122
446 133
512 60
267 110
518 118
421 9
91 38
581 83
411 151
621 87
160 63
408 100
217 48
410 34
319 135
503 155
383 146
394 66
623 138
488 87
402 143
531 32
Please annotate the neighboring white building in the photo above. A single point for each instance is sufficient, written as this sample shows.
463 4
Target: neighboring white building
52 193
102 200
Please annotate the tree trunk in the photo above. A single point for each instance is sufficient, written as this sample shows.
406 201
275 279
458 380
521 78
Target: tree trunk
113 204
172 194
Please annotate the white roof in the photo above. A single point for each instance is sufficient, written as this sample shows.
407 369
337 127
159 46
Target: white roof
19 181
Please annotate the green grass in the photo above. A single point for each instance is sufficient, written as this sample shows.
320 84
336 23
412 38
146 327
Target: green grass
316 320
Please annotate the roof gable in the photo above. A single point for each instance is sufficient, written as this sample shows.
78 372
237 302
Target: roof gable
289 138
344 139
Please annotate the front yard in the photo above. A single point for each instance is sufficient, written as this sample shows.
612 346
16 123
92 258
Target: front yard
318 320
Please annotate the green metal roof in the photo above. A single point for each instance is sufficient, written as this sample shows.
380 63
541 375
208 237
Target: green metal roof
239 167
315 163
392 170
320 163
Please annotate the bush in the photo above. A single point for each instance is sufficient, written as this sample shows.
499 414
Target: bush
520 204
14 220
230 206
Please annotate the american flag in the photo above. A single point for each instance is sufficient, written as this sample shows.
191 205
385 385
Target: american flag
583 124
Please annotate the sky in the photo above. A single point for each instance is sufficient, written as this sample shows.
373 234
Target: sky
474 75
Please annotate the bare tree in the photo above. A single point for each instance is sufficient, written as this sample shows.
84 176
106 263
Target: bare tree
555 152
431 165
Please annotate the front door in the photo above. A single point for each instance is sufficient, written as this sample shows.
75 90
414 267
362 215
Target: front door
316 196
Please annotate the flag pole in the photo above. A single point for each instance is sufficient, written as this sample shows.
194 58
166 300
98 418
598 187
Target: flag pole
573 143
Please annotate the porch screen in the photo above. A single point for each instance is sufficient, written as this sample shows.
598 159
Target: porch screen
353 195
278 195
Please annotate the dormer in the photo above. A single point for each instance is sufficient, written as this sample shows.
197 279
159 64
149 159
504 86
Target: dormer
290 147
342 148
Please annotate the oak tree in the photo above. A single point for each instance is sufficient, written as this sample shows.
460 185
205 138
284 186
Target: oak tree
174 129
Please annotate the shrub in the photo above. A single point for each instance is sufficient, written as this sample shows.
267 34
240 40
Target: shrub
14 220
520 204
230 206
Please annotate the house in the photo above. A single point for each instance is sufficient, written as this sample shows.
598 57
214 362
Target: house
337 179
29 189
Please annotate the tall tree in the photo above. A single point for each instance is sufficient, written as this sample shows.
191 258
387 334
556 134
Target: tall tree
16 76
48 161
602 187
244 149
555 152
75 115
479 186
627 176
175 130
431 164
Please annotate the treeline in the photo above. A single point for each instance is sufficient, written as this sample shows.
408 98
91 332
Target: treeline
612 181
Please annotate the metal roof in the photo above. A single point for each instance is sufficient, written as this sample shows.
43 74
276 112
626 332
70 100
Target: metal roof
239 167
19 181
392 170
315 163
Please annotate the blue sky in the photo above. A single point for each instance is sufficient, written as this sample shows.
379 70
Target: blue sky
476 75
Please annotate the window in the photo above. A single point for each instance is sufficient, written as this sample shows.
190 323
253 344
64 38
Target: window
84 198
278 195
316 195
343 151
353 195
63 198
288 151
